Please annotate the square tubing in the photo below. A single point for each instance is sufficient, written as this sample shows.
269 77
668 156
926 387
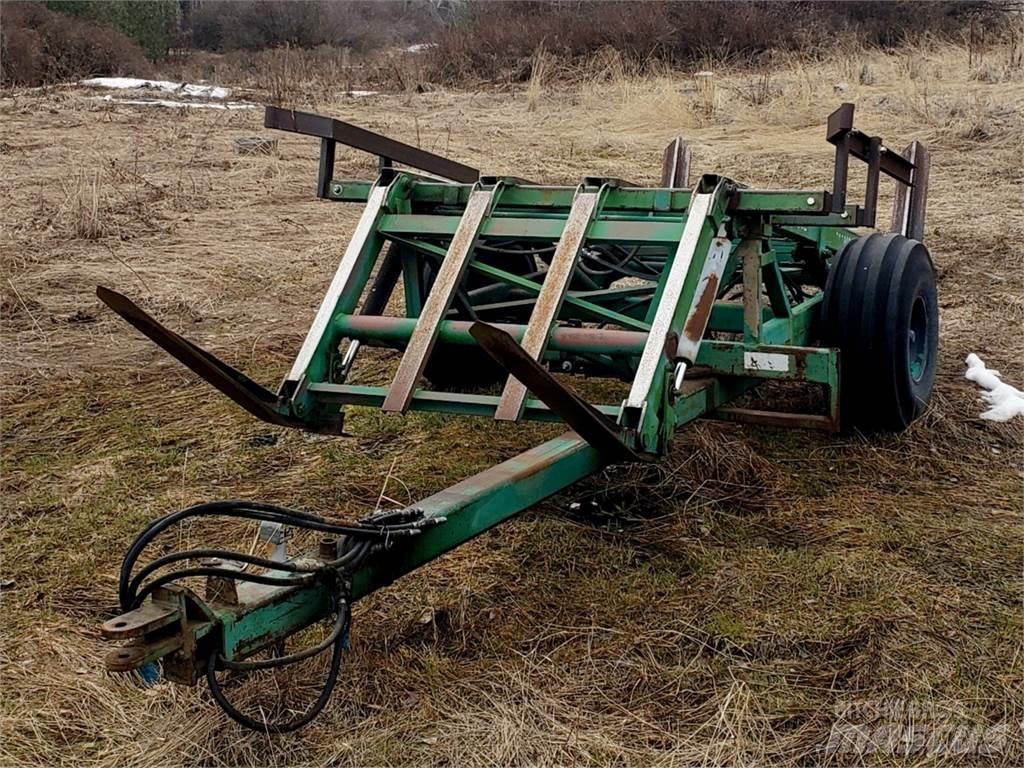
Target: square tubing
325 171
683 311
438 302
549 300
675 165
908 207
368 141
750 252
341 296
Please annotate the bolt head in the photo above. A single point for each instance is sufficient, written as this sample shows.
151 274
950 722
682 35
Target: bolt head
810 201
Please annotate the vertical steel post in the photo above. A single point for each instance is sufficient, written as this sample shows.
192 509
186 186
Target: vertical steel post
908 207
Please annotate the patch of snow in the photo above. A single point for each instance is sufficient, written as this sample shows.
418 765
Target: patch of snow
1005 401
361 93
134 83
420 47
178 104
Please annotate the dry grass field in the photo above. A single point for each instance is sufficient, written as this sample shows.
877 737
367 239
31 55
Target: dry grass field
723 611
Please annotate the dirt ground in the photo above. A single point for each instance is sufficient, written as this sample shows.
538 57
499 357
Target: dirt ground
730 608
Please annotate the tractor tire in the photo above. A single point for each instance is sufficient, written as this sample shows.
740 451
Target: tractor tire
881 311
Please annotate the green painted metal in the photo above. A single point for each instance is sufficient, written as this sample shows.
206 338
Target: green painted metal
579 308
603 327
646 413
635 199
265 615
464 404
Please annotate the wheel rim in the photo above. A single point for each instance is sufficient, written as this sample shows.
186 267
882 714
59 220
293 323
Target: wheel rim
917 340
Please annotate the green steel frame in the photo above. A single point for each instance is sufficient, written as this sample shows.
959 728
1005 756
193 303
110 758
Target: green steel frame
729 289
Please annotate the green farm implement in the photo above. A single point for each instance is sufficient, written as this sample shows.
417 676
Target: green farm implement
690 299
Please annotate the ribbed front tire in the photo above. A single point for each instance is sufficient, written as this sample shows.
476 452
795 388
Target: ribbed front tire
881 311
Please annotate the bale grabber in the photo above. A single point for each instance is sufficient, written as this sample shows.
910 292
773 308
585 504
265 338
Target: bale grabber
695 299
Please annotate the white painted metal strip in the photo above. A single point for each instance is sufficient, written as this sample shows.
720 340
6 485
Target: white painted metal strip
653 358
767 361
364 230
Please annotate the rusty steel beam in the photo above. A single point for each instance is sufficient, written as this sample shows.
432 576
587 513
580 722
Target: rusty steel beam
776 419
841 133
438 302
353 136
549 300
380 330
585 419
675 166
910 203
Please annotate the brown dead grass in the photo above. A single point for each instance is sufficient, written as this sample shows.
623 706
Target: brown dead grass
716 612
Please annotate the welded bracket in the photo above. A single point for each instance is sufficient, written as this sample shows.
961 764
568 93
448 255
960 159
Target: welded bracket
688 292
332 132
880 159
170 626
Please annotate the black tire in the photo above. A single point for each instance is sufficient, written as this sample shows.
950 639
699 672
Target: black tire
881 311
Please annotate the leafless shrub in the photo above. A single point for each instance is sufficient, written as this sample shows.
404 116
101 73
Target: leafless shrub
496 41
38 46
986 74
759 90
707 92
538 72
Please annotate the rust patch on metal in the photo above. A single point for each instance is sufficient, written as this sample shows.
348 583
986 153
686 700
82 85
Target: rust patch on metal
698 320
439 300
146 618
671 345
549 300
799 362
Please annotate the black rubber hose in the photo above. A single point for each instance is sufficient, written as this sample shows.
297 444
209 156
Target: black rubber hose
229 573
358 550
281 661
250 511
223 554
288 725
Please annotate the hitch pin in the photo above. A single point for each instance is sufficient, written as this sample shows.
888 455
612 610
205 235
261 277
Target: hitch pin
347 360
679 375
